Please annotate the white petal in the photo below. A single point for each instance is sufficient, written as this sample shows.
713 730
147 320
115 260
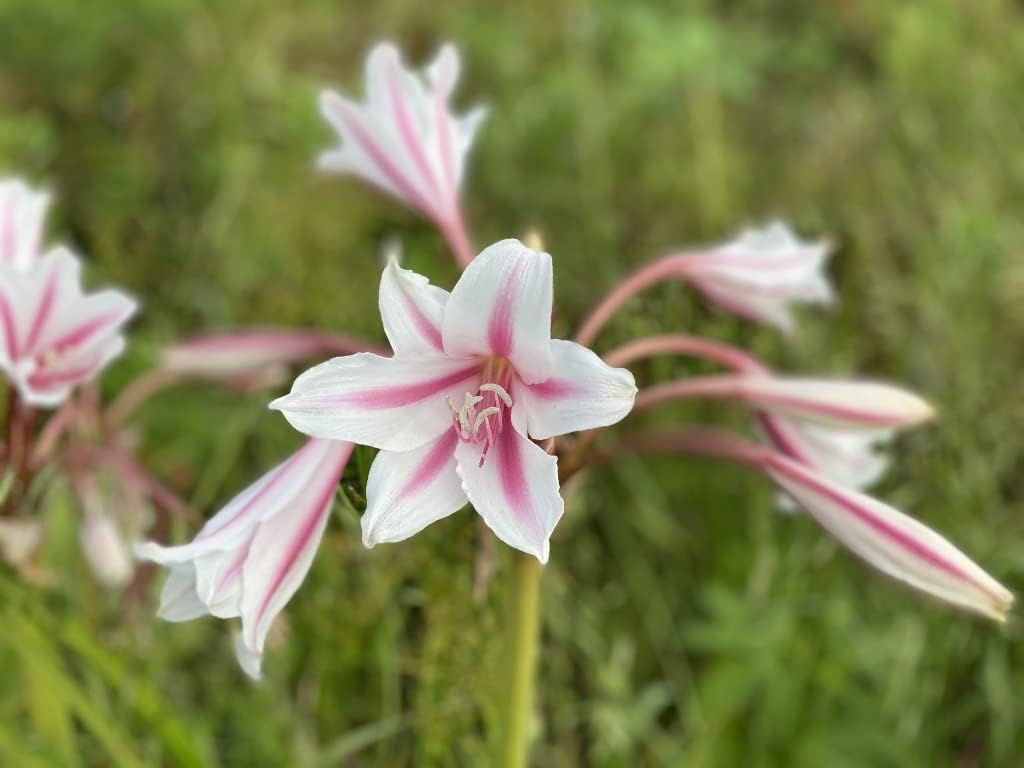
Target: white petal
515 490
893 542
408 491
389 403
283 548
854 459
501 306
179 600
583 392
411 310
250 661
22 212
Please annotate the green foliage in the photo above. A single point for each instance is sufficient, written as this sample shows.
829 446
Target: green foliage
686 622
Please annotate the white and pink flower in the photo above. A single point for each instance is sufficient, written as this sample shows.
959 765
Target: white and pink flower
474 377
404 139
252 556
53 336
22 213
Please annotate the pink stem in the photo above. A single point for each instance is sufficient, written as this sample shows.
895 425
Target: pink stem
699 441
454 231
52 432
717 387
662 269
138 392
731 357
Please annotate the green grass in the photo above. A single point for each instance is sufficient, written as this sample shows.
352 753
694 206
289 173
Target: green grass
686 623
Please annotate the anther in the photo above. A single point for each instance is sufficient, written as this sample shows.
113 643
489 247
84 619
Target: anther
499 391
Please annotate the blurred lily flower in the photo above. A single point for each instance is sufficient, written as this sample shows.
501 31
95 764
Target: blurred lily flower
54 336
105 549
22 212
760 273
475 375
404 139
834 402
894 543
252 556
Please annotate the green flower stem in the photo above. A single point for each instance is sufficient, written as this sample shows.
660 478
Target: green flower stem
524 636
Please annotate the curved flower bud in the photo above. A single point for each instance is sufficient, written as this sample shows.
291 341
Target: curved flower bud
251 557
404 139
850 403
105 549
22 212
892 542
52 335
760 273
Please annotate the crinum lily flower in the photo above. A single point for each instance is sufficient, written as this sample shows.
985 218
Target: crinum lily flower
251 557
52 335
475 375
760 273
22 212
405 140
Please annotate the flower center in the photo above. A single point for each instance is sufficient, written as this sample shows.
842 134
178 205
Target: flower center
480 419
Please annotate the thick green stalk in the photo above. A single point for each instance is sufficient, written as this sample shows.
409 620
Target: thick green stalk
523 637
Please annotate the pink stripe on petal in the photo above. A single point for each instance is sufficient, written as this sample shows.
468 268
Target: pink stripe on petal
43 311
231 574
512 473
84 332
500 324
407 131
295 547
431 466
400 394
10 329
44 379
553 389
359 132
806 478
430 332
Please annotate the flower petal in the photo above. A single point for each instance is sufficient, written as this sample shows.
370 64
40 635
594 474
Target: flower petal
22 212
411 310
891 541
282 551
390 403
501 306
515 490
408 491
583 392
179 600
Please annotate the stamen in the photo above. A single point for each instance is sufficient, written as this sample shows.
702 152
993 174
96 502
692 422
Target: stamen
499 391
482 417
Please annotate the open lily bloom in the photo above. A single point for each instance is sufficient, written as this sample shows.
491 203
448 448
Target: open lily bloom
475 375
251 557
22 212
52 335
405 140
760 273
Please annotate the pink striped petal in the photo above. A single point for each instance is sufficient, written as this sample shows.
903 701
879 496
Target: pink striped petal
282 551
891 541
22 212
501 307
760 274
583 392
404 140
408 491
390 403
515 490
251 557
411 310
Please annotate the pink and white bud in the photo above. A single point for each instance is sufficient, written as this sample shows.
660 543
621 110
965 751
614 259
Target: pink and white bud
105 549
22 212
252 556
849 404
53 336
404 139
760 274
245 354
892 542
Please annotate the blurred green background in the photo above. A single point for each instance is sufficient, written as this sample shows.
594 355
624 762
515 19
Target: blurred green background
686 622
